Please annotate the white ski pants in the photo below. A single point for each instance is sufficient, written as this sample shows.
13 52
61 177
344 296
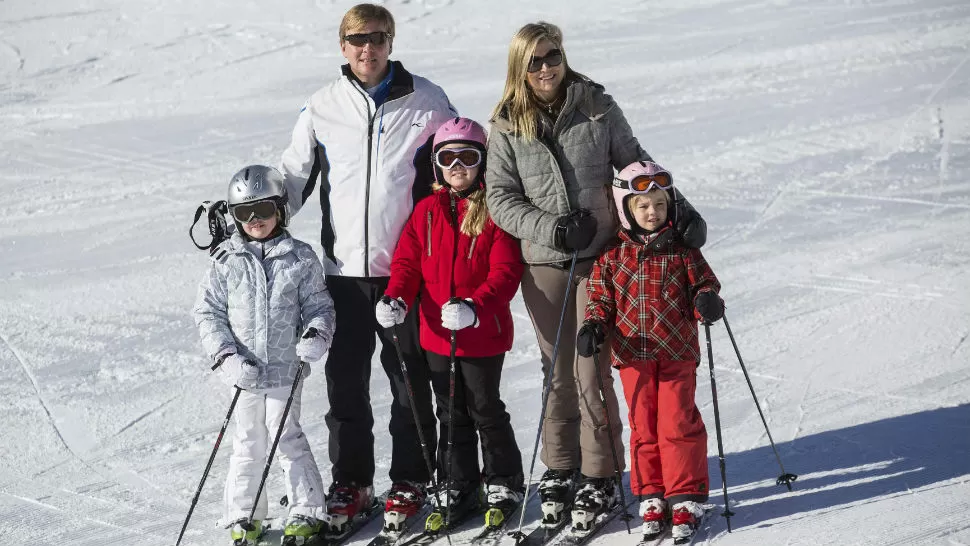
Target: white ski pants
257 418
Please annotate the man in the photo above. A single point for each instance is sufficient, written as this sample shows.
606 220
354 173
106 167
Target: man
366 138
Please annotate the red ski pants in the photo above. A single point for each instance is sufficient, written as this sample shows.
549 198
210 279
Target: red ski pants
668 441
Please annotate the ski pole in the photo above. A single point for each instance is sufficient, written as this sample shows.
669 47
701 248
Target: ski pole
785 477
609 427
208 466
414 412
276 441
546 388
717 426
451 415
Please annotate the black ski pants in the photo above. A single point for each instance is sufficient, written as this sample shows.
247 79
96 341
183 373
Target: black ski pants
348 370
478 405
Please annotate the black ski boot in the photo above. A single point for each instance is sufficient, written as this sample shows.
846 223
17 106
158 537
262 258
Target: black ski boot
556 489
594 496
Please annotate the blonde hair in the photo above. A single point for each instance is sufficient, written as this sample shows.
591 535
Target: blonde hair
632 201
473 224
361 14
519 104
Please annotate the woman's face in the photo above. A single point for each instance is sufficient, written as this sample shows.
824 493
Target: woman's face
458 176
545 81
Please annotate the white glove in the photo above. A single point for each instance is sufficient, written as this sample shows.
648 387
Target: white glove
312 347
390 311
239 371
459 315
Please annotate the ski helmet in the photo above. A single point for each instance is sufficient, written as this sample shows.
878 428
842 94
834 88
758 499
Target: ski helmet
464 131
258 183
626 185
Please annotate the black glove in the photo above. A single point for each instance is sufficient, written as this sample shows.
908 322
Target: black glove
709 306
590 337
689 224
575 231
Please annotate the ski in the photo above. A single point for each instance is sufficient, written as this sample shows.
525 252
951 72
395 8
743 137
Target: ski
389 537
359 521
434 526
496 520
689 541
542 535
572 537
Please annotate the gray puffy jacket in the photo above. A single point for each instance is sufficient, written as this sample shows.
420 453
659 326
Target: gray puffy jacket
531 183
258 306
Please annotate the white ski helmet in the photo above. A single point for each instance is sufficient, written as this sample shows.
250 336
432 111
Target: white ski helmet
259 183
638 178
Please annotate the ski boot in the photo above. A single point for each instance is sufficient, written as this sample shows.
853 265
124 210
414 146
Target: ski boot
655 518
344 502
460 499
300 530
556 490
686 517
502 501
595 496
245 534
404 500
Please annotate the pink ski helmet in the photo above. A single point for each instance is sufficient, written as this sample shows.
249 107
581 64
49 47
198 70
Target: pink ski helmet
460 130
640 177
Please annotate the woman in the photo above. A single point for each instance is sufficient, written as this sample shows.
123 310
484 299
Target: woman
555 141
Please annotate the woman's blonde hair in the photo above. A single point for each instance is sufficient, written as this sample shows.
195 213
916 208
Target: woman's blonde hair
473 224
519 104
361 14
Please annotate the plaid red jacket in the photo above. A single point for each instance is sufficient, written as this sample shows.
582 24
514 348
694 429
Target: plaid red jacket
644 294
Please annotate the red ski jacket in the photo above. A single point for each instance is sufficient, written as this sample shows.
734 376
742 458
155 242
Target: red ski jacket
487 269
644 294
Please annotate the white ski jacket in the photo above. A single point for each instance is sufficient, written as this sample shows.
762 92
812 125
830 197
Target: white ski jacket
373 163
259 306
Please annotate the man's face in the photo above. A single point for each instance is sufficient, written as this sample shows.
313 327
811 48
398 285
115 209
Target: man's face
369 61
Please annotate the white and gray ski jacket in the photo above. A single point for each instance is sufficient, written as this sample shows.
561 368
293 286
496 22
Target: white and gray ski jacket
259 306
365 158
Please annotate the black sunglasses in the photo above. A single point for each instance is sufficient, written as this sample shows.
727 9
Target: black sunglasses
377 38
552 58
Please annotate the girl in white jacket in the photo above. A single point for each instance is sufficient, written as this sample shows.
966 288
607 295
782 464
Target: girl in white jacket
262 306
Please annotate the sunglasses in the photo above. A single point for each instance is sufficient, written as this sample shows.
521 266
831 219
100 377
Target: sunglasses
645 183
247 212
466 157
552 58
377 38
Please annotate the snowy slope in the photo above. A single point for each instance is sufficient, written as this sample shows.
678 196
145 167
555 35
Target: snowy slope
827 143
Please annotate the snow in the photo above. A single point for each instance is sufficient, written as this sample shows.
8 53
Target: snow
827 143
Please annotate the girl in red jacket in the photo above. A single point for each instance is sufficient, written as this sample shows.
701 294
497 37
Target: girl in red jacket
466 271
648 291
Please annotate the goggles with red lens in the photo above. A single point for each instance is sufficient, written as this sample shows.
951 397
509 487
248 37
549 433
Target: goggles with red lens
552 58
446 158
645 183
377 38
259 210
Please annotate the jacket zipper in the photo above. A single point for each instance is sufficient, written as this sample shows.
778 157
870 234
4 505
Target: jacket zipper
429 233
498 324
471 248
370 151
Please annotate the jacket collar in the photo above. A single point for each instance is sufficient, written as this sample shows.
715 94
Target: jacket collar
582 94
657 241
401 84
277 246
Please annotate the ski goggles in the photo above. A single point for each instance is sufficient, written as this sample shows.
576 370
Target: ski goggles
259 210
552 58
377 38
446 158
645 183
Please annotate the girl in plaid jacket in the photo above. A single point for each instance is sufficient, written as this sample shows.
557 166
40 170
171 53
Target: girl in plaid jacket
647 291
